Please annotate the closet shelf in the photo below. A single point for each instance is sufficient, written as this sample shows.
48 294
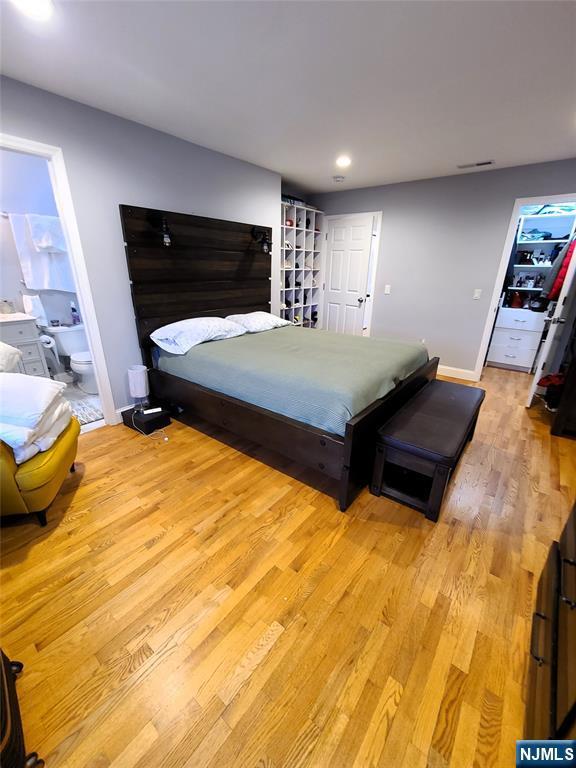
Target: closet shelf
542 242
549 215
516 288
300 230
532 266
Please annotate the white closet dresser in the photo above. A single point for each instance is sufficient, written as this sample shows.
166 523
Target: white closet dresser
19 330
516 338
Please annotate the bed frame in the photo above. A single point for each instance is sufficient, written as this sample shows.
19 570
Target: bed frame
216 268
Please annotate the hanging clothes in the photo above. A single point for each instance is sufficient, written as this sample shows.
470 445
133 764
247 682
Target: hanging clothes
561 276
548 283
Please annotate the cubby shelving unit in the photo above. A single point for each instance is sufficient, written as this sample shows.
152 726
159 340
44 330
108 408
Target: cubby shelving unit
301 265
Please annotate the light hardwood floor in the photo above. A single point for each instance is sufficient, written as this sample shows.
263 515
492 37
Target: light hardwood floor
189 605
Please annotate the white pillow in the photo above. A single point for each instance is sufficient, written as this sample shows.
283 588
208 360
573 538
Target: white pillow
179 337
254 322
9 357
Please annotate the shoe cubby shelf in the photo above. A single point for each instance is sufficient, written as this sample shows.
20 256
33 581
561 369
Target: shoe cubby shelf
301 262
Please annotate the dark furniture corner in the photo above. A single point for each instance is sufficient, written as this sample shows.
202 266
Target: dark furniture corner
420 446
145 423
551 680
12 749
564 424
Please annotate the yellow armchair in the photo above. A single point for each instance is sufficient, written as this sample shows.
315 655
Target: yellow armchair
30 487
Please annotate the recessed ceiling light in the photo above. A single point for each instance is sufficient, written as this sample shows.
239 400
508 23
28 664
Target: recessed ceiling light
343 161
39 10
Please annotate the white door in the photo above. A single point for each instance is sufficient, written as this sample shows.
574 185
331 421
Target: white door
555 328
347 262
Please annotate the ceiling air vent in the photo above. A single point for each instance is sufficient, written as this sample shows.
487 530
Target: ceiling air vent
481 164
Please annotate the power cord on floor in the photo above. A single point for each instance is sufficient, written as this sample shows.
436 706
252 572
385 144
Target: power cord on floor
158 434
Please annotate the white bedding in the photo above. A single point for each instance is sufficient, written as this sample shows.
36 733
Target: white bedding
25 399
9 357
40 408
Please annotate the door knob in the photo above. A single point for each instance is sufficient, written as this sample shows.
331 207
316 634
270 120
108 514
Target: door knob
360 300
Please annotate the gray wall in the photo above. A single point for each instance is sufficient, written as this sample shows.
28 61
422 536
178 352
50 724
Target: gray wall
25 187
441 239
111 161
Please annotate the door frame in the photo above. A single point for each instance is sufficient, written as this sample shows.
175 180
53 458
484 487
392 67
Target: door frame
65 207
501 273
372 264
566 292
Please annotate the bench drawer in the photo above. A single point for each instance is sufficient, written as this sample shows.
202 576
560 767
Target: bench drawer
417 449
520 319
523 358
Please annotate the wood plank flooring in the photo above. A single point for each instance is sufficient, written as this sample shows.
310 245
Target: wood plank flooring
190 605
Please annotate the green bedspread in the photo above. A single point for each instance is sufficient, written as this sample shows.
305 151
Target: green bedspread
313 376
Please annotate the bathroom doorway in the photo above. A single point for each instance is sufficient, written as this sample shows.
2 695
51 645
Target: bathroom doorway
41 297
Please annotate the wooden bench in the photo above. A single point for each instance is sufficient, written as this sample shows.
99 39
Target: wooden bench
419 447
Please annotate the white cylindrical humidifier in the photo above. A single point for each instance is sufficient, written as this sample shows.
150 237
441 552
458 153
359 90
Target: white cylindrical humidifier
138 384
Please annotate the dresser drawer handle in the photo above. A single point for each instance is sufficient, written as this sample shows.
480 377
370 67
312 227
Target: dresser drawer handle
535 653
514 356
571 602
515 338
519 321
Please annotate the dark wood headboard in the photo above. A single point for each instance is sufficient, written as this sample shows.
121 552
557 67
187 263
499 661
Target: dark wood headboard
209 268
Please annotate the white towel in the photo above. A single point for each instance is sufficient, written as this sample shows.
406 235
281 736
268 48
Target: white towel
24 399
33 306
46 233
41 270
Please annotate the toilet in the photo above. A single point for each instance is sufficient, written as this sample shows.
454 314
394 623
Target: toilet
81 364
71 342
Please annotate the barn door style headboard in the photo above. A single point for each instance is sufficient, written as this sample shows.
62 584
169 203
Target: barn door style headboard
190 266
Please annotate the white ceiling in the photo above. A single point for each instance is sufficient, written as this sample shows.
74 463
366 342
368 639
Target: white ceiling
409 89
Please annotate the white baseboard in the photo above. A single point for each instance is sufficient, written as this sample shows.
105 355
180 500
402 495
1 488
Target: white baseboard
119 412
458 373
92 425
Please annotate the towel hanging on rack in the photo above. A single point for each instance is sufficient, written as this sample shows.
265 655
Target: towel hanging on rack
42 270
46 233
33 306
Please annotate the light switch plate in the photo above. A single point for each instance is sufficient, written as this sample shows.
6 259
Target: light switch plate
387 289
477 293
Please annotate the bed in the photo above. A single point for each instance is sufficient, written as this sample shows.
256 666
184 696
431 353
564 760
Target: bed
319 378
313 396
